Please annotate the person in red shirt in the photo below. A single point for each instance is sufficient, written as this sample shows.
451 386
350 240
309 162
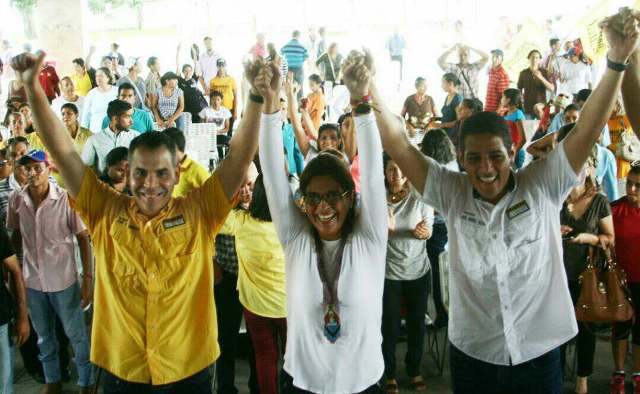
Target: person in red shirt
626 222
498 81
49 80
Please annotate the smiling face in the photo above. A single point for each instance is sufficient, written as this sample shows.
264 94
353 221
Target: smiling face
328 218
187 72
488 165
328 139
245 193
17 124
102 80
152 177
394 176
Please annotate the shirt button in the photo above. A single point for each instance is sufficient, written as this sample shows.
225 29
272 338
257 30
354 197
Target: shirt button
152 276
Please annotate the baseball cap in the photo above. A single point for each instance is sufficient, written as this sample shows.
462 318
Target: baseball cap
34 155
221 63
497 52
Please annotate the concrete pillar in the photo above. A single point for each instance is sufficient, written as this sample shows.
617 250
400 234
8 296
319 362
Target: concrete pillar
60 32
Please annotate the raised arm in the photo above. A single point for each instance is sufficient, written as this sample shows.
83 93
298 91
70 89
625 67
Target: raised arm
286 216
484 57
52 132
598 107
292 111
244 143
442 60
631 87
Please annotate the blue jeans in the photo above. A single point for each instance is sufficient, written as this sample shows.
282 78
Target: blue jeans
66 304
180 123
6 361
199 383
542 375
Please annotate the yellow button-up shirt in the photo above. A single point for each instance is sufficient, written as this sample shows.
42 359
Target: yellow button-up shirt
155 316
192 175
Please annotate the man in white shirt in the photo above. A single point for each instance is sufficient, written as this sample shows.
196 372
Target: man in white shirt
208 64
116 134
575 74
510 307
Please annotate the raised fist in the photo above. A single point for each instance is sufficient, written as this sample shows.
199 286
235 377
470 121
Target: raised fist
358 71
27 67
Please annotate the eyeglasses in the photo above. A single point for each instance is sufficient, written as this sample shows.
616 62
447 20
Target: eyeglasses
331 198
4 163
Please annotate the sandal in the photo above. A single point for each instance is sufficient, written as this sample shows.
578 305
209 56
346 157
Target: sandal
392 387
417 384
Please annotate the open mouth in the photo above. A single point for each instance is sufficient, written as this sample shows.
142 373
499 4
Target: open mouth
327 218
488 179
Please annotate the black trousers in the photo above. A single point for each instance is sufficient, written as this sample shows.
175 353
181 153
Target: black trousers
287 387
414 293
435 246
200 383
229 311
585 340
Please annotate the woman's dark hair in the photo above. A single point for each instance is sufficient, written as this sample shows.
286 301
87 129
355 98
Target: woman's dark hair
473 104
514 96
532 52
79 61
385 160
572 107
419 80
316 78
635 169
184 67
451 78
168 76
437 145
115 156
107 72
333 127
151 61
271 49
70 106
488 123
343 117
328 165
259 206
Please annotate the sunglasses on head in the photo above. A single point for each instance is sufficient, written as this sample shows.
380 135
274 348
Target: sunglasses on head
331 198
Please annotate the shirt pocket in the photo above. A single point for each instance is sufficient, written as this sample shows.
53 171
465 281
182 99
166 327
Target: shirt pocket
526 246
473 247
125 248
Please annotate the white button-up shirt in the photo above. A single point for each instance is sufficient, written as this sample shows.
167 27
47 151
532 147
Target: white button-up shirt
509 299
100 144
208 65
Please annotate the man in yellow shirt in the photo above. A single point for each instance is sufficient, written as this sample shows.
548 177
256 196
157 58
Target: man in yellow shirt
225 84
154 319
192 174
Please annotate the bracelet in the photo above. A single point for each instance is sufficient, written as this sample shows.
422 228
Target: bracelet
366 99
619 67
256 98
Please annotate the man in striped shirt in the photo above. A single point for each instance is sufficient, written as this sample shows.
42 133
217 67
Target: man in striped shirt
296 54
498 81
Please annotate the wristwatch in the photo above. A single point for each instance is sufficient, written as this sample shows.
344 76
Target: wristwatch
619 67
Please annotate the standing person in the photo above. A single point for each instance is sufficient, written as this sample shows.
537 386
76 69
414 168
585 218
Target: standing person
52 279
261 284
117 133
227 298
295 54
49 80
407 275
619 128
114 54
225 84
152 83
84 76
329 63
498 82
316 103
147 307
552 63
334 259
395 46
97 100
418 110
207 65
466 72
450 84
626 223
10 268
259 49
437 145
322 44
533 84
134 79
141 120
510 305
512 103
575 73
168 103
68 96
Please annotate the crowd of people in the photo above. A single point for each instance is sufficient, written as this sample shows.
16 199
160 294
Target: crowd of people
324 237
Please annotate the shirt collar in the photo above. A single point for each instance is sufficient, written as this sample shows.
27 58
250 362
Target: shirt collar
186 163
54 192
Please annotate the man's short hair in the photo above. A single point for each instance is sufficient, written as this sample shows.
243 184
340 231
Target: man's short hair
151 61
125 86
153 140
217 93
4 153
79 61
70 106
488 123
207 38
296 34
177 136
116 155
583 95
115 45
572 107
553 41
117 108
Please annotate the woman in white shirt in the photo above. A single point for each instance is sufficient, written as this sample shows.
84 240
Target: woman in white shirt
334 257
68 96
97 100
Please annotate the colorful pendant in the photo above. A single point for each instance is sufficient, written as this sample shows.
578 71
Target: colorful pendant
331 324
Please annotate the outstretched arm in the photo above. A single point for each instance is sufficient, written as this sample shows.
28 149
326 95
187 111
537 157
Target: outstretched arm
598 107
52 132
631 88
244 143
292 111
